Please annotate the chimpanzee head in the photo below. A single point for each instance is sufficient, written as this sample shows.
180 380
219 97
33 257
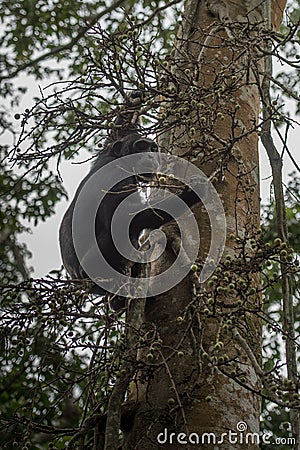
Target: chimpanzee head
130 144
133 144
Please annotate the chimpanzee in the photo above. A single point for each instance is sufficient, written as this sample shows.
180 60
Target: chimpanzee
124 139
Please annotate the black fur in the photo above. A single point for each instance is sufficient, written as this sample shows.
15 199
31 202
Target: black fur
124 141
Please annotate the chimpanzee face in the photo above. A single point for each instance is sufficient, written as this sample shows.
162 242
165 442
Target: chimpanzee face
131 144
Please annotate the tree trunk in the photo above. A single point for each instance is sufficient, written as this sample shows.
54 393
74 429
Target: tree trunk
199 381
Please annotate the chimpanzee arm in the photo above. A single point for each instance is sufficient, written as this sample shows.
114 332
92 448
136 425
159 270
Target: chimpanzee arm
156 216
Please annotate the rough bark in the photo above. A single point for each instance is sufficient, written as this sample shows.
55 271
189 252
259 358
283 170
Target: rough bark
184 388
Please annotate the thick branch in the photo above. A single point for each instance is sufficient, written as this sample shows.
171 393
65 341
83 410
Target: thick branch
135 320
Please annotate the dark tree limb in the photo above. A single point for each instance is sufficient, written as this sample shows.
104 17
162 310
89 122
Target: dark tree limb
135 319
